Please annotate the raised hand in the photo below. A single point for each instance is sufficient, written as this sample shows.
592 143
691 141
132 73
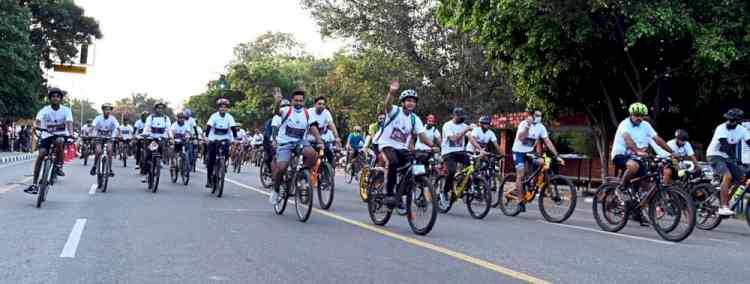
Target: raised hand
394 86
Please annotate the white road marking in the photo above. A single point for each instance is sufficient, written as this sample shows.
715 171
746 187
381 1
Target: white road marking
74 238
610 233
14 164
588 200
92 190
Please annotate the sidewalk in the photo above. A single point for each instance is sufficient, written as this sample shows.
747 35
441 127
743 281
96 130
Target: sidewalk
9 157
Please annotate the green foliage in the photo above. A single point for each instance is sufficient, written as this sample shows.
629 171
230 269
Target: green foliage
133 106
89 110
20 75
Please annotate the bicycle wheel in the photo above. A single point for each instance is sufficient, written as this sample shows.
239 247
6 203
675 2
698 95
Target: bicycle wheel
507 196
421 206
266 178
303 195
378 211
173 170
156 169
444 206
706 206
479 198
283 198
43 183
609 208
125 157
85 157
558 199
106 163
99 176
326 186
220 174
349 170
185 169
672 213
363 177
495 182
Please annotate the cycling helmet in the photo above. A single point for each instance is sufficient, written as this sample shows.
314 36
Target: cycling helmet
681 134
357 128
431 119
638 109
107 105
460 112
181 115
188 112
285 103
734 114
58 91
408 94
485 120
222 101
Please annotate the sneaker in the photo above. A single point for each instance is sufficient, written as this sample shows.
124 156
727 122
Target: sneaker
32 189
93 171
208 185
143 180
522 207
725 211
274 198
58 171
444 202
111 173
137 167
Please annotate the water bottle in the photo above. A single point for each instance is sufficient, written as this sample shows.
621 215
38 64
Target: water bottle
737 194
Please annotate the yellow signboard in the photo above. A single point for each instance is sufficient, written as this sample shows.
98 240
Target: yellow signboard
69 69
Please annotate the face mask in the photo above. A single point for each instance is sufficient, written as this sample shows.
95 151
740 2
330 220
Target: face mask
537 119
460 120
297 107
635 123
731 126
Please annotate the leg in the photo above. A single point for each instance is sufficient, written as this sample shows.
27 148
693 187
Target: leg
391 161
519 159
210 163
110 153
309 157
451 165
667 173
60 156
97 156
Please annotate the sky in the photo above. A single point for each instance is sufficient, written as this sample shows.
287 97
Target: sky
170 49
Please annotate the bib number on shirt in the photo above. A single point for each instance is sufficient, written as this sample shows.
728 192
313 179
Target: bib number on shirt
220 131
296 133
157 130
398 135
105 132
529 142
56 127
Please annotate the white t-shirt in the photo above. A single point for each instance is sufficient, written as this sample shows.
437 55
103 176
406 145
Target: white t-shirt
484 138
685 151
294 129
220 127
180 132
324 119
126 131
276 121
191 123
139 125
156 126
536 131
450 129
257 139
733 136
87 130
642 135
745 148
106 127
398 132
241 136
54 120
431 134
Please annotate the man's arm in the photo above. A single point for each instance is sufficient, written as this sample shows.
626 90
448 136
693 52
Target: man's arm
663 144
630 144
456 138
277 100
393 88
425 140
315 133
476 145
550 146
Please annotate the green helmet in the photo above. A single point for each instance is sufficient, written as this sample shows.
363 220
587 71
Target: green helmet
638 109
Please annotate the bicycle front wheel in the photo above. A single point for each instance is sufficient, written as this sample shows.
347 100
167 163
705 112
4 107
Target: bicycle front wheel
609 207
508 197
379 212
221 171
107 164
156 170
557 200
707 207
363 177
266 178
326 185
303 195
421 206
479 198
444 206
43 183
672 213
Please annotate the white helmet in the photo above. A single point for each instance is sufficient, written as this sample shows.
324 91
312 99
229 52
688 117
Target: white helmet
408 94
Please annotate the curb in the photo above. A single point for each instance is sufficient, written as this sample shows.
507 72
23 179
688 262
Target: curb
22 157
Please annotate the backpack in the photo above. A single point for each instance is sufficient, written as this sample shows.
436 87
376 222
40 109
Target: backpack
289 113
398 110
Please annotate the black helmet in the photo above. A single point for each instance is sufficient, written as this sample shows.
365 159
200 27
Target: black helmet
145 113
681 134
162 104
485 120
58 91
734 114
460 112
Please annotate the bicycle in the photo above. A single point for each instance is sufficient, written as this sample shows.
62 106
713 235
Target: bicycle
265 174
323 180
421 206
707 201
220 169
554 191
154 165
180 163
472 186
617 203
237 157
122 151
489 170
46 180
85 149
296 182
354 166
103 163
698 185
364 174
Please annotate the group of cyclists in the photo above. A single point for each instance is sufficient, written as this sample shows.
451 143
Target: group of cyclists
389 144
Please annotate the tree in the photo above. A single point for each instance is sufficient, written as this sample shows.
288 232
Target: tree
452 69
20 76
597 57
78 106
133 106
58 28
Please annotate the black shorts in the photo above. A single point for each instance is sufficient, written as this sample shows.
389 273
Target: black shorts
721 166
46 143
620 162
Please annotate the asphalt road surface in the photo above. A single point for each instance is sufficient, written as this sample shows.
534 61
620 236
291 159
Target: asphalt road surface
183 234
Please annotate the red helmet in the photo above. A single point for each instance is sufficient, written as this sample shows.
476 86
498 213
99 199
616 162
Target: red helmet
431 119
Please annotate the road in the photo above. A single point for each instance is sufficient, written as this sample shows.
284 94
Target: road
183 234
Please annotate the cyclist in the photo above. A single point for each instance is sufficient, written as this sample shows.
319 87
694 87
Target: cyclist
194 132
723 153
239 141
57 120
326 128
682 149
105 126
270 130
138 127
484 136
86 134
218 127
180 132
296 122
155 127
529 132
400 127
126 133
370 144
354 144
453 148
746 147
